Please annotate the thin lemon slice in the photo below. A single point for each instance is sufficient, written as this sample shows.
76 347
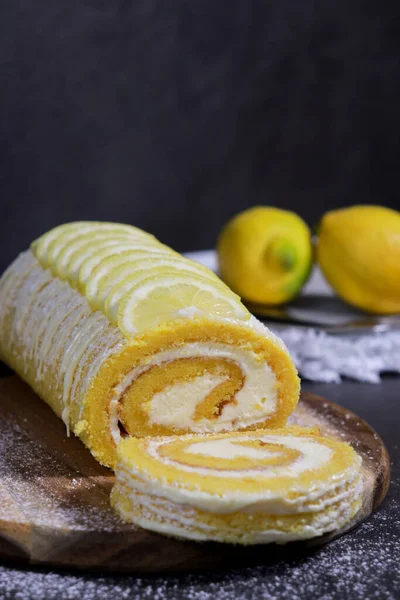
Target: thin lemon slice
114 232
91 249
114 269
47 247
126 280
82 243
41 246
90 261
109 271
161 299
105 232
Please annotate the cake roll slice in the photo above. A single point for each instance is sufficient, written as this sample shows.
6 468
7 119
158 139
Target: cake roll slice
122 336
240 487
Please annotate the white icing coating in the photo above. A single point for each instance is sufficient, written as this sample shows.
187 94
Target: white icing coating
77 380
187 313
52 329
51 309
263 330
113 345
57 330
90 328
25 303
10 284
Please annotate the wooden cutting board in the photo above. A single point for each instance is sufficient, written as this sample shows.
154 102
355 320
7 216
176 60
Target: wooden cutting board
54 497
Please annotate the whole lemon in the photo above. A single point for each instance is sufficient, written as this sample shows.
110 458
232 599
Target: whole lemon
265 254
358 250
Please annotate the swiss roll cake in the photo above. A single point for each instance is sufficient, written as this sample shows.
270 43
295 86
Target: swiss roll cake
240 487
122 336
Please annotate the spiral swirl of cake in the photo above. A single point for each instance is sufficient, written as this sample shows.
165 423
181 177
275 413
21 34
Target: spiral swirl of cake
119 333
238 487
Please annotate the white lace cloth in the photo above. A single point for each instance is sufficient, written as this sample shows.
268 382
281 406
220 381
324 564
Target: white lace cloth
327 358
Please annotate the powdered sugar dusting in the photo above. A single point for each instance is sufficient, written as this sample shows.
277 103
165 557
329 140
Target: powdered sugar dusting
44 492
359 566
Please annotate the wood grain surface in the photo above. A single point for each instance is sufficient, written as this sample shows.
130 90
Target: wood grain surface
54 497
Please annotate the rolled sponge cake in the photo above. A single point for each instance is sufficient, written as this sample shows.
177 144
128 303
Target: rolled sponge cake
239 487
121 335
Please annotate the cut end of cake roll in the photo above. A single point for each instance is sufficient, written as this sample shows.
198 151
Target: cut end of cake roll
247 488
123 336
191 376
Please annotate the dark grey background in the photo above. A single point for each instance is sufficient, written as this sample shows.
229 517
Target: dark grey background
174 115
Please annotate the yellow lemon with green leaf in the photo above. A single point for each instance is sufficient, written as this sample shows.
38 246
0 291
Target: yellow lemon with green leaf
358 250
265 254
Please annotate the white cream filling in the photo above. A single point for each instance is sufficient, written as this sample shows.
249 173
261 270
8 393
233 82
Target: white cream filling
313 455
176 405
253 402
227 448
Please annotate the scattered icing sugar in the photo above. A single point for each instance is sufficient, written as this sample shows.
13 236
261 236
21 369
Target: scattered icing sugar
23 462
363 565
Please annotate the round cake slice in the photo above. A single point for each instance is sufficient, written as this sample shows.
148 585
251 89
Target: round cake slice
250 487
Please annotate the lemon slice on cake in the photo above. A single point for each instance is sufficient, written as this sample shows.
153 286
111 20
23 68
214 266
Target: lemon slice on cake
42 247
86 241
47 248
84 260
112 269
160 299
113 285
92 250
126 282
92 261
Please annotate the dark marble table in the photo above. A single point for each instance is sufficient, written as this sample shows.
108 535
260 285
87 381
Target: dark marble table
364 564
